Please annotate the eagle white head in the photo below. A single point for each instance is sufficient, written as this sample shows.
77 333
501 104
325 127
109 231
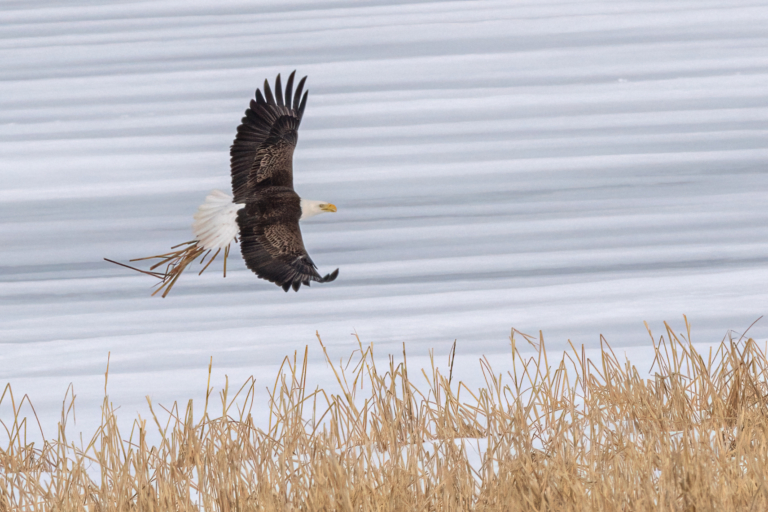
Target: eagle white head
312 208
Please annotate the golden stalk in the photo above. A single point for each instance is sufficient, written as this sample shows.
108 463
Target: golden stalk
175 263
582 434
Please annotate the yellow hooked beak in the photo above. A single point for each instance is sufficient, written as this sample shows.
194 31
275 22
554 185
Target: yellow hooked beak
328 207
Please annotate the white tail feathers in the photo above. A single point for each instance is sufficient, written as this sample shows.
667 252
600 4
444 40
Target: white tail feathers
215 225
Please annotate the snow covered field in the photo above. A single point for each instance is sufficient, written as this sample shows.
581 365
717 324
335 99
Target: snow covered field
575 167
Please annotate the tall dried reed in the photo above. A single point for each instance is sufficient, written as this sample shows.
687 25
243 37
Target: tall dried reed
581 434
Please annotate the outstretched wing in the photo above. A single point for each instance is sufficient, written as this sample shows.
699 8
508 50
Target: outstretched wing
262 153
262 178
271 243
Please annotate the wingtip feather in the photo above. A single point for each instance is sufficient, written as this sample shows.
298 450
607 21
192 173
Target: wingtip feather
289 89
268 93
279 90
297 94
330 277
303 104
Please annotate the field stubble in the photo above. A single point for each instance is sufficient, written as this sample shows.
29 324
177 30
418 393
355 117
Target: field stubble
581 434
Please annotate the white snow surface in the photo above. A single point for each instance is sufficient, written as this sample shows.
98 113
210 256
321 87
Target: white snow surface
575 167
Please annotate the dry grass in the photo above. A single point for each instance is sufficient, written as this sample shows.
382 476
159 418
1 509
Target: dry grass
176 262
579 434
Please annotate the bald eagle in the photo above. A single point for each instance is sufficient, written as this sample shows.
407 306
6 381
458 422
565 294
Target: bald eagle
265 210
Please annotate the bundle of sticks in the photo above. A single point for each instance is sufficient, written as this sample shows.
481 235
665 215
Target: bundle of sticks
175 263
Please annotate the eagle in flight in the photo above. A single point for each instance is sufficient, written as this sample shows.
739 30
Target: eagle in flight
265 211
